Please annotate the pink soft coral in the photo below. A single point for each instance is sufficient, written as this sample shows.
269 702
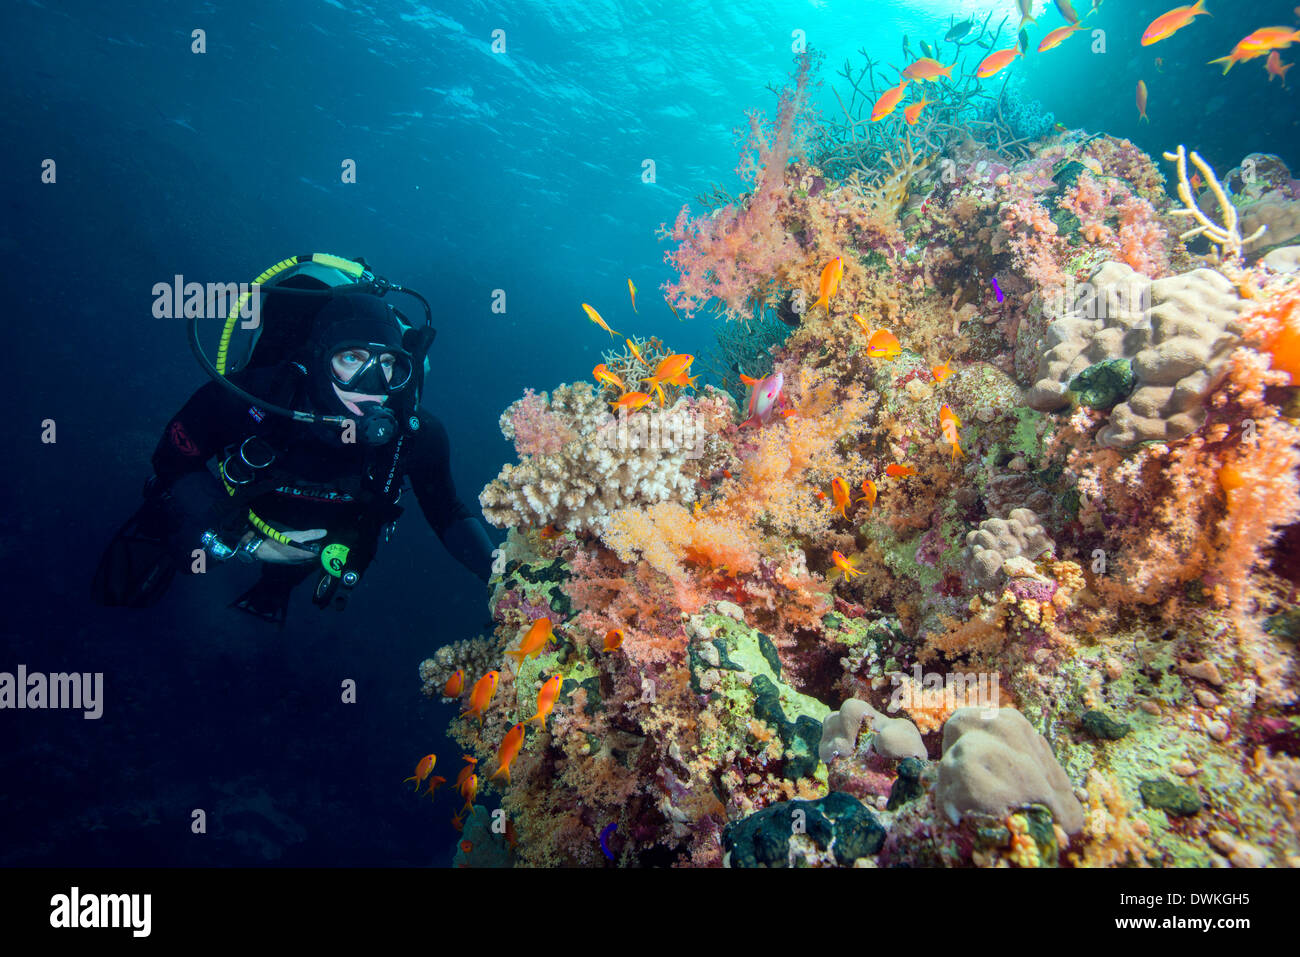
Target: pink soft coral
1142 239
1034 241
734 253
535 429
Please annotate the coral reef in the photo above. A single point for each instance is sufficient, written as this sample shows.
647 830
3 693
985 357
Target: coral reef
1005 577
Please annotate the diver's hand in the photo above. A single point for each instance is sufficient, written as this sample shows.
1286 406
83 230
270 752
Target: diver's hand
272 551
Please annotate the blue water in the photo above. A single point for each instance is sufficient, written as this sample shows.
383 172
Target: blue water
477 171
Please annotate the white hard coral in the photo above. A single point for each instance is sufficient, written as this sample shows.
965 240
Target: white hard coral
1178 333
604 463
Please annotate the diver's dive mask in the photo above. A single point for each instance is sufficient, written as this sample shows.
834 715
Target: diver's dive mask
370 368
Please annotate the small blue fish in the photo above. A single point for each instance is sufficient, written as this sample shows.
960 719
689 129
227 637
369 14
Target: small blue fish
997 290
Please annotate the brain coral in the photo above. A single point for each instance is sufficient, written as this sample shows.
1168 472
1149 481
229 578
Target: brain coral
994 761
1177 333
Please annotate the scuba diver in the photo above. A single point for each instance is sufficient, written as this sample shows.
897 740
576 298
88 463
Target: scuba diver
312 434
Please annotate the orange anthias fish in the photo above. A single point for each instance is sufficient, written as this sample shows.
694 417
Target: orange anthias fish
674 370
546 699
1056 38
913 112
683 380
1142 101
466 771
422 770
469 791
509 750
1167 24
483 691
928 68
941 372
862 324
883 345
455 684
435 781
995 63
840 495
1275 67
900 471
1259 43
548 533
832 273
631 291
594 316
631 401
888 102
948 425
602 375
635 351
868 493
537 638
613 639
847 566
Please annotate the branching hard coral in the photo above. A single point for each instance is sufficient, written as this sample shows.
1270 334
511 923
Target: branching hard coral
1225 236
609 463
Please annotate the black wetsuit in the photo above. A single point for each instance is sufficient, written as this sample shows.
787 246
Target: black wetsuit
315 481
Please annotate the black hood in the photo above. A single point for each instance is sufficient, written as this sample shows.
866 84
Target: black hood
351 318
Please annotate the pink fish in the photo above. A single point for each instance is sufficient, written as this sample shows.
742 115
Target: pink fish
764 396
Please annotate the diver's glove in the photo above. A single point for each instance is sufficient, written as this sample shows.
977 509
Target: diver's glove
468 543
198 505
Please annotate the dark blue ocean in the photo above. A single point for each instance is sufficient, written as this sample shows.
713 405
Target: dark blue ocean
485 161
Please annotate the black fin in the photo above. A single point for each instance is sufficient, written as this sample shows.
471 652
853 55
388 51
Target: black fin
269 598
139 563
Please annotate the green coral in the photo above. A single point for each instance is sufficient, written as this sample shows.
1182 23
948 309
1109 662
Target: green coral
1105 384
